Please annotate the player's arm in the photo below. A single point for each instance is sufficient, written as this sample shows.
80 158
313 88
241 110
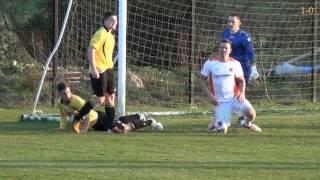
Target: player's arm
251 56
85 124
96 42
91 56
77 102
247 43
240 82
205 87
63 120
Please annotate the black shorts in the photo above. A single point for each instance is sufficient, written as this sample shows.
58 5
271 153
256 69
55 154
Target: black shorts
105 84
103 124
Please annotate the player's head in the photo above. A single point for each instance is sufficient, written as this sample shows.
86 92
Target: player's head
234 22
110 20
225 48
64 91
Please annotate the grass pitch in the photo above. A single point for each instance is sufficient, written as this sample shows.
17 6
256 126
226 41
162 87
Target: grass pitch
287 148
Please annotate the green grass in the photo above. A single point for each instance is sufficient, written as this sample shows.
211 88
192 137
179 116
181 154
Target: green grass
288 148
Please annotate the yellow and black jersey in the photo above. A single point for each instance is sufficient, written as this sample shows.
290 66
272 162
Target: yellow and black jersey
103 42
74 106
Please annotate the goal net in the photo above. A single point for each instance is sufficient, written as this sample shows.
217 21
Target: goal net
168 42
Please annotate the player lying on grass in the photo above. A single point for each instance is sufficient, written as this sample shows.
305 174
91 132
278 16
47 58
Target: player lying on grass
70 104
227 90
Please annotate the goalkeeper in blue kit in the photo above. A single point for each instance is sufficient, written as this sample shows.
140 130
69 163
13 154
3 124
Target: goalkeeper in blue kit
242 48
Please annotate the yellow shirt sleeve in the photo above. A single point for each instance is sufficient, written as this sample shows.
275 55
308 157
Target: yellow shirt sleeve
76 102
97 39
63 118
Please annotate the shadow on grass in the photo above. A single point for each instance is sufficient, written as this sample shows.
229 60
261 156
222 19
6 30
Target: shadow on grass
189 128
292 127
164 164
23 126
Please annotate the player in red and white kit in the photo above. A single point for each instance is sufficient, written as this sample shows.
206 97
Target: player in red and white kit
227 90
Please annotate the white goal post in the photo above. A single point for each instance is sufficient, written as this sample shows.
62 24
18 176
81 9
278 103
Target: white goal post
122 49
51 56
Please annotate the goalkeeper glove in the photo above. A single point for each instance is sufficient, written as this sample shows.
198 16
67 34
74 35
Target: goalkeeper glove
254 73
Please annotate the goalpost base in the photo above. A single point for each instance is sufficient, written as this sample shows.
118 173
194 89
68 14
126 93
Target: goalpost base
44 117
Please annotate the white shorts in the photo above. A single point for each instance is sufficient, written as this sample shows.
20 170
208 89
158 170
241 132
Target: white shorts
223 112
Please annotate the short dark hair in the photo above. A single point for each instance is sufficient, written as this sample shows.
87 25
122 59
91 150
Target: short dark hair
226 41
235 15
62 86
108 14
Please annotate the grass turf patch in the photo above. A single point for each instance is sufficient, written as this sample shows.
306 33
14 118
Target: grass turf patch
287 148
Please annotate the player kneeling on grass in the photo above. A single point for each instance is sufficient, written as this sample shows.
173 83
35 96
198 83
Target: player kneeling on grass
227 91
70 104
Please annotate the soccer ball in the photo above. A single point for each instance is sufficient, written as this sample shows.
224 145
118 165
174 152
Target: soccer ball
158 126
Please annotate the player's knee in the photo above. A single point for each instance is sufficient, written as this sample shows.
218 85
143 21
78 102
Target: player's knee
109 99
100 100
250 114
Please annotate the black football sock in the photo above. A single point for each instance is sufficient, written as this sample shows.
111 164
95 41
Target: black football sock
84 110
139 124
129 118
149 122
110 113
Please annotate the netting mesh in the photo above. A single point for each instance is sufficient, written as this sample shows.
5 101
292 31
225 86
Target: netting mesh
167 45
159 46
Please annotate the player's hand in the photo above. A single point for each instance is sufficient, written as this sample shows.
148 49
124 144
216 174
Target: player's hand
254 73
213 100
241 97
95 74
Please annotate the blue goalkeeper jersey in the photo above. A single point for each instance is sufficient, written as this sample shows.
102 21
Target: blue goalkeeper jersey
242 49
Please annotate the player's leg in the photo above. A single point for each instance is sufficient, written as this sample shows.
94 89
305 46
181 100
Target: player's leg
101 123
132 117
240 122
109 107
98 87
141 120
222 117
109 96
250 115
136 121
246 74
246 110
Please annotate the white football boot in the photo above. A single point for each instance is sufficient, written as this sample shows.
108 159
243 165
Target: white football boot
155 125
252 127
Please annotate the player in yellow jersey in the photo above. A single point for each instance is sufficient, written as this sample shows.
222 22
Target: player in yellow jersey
69 105
100 54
